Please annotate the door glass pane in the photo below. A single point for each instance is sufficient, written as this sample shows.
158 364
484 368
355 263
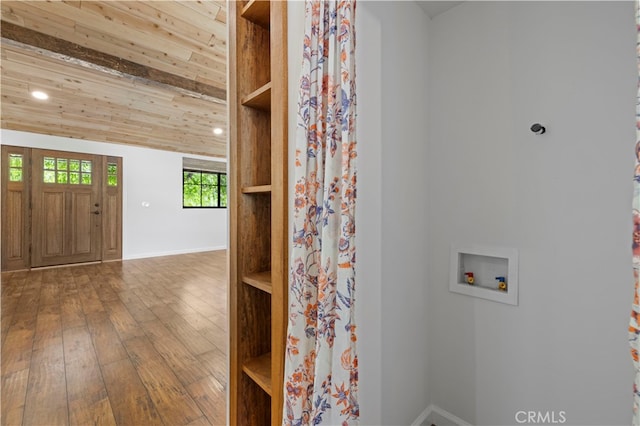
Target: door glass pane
74 178
15 160
86 179
112 168
62 177
62 164
49 176
49 163
86 166
15 175
112 180
74 165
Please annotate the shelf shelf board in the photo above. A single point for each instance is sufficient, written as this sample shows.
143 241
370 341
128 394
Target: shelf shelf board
256 189
259 369
257 11
259 99
260 280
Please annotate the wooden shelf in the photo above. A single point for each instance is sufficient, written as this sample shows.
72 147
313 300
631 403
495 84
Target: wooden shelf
259 369
259 99
257 11
257 189
258 210
260 280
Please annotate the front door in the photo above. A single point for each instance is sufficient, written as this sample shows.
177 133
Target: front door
66 207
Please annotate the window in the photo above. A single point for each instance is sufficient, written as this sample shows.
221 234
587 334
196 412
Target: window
15 168
66 171
204 189
112 174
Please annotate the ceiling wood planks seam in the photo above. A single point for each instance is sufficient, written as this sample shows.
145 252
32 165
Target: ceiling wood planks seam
55 48
146 73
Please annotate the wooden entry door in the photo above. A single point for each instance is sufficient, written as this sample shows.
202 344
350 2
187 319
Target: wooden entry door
66 207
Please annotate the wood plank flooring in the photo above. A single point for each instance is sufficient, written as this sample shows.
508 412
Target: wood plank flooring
138 342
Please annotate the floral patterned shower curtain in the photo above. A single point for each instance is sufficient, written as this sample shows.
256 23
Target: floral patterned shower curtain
321 365
634 326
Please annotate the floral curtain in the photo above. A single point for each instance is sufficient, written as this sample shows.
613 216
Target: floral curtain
321 365
634 327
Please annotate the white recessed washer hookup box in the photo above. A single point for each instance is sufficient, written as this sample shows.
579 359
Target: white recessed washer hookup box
484 271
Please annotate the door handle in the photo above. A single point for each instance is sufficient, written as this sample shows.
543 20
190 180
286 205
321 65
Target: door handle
96 212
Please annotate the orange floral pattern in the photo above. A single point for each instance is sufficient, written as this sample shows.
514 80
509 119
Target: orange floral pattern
634 327
321 366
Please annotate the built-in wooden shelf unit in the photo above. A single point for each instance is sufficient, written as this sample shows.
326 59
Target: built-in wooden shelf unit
257 11
259 99
259 369
257 189
261 280
258 244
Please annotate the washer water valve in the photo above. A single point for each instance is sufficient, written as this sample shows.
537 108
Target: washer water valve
502 283
468 278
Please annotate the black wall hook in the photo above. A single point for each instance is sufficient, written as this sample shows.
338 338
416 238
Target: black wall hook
538 129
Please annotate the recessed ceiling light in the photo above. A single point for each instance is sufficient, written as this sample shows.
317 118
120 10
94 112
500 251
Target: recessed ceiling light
38 94
217 131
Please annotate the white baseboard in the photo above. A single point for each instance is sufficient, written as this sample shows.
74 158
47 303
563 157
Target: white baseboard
172 252
422 417
436 415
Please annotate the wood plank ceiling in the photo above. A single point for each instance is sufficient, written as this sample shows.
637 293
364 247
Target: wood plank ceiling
146 73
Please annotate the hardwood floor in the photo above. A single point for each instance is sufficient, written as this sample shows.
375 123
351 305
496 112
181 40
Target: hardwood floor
138 342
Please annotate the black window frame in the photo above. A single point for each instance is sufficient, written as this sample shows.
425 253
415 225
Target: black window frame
219 187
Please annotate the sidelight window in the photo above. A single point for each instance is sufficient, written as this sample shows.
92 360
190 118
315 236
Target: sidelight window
112 174
15 167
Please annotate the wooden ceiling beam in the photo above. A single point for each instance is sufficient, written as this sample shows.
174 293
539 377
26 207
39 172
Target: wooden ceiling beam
53 47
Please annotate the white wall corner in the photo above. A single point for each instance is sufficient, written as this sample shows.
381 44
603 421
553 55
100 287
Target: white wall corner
436 415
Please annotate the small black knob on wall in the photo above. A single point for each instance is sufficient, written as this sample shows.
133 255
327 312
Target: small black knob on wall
538 129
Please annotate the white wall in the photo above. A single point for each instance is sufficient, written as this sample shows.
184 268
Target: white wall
404 210
369 215
151 176
391 268
563 199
